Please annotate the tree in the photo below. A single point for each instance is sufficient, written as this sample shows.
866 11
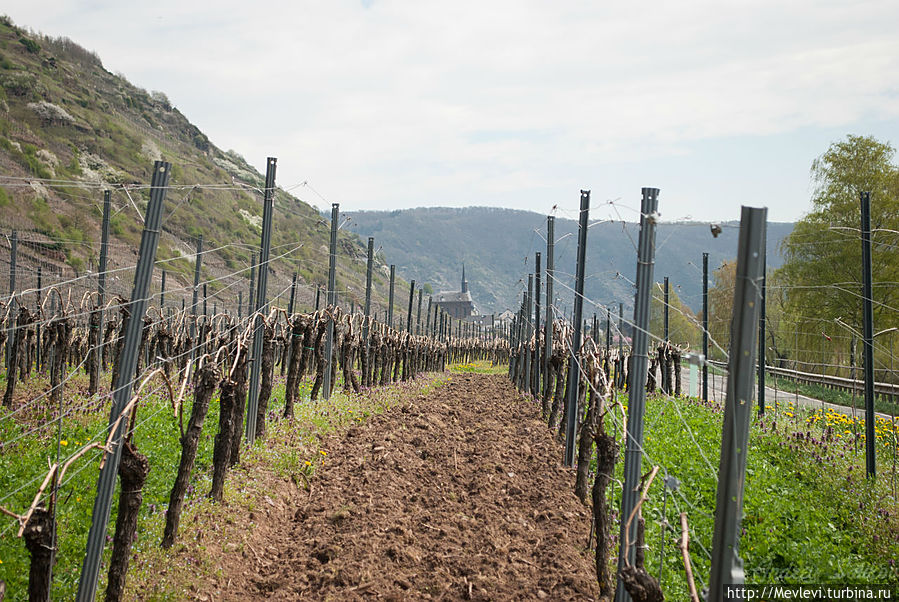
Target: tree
721 305
822 269
685 330
778 329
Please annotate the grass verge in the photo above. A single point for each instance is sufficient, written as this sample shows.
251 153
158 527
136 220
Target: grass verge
810 514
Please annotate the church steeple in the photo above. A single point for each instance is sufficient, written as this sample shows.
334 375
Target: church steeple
464 281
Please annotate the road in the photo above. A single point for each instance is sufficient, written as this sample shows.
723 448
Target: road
717 391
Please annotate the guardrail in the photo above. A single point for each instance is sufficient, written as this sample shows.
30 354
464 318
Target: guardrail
886 391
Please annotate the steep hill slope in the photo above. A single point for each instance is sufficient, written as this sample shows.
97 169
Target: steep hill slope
497 247
69 129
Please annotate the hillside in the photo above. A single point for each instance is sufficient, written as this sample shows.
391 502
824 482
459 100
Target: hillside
497 247
69 129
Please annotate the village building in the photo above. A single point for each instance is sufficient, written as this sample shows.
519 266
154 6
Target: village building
458 304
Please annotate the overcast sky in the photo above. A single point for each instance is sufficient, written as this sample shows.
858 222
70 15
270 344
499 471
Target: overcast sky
405 103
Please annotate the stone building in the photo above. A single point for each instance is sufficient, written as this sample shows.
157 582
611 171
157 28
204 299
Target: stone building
457 304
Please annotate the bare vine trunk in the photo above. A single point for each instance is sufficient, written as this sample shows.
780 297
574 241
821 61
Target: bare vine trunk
240 400
606 455
133 472
294 369
93 362
62 332
207 378
12 372
585 447
39 541
221 453
119 344
265 384
640 584
559 369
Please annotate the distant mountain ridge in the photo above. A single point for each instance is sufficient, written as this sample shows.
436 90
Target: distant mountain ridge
497 247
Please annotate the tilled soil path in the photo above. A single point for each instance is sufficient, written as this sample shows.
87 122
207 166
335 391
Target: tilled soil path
457 495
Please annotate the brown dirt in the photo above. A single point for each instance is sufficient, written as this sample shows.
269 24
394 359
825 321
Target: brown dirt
458 494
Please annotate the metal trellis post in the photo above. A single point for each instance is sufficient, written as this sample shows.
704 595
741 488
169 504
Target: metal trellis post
261 310
705 326
528 326
548 322
667 301
761 351
390 297
293 294
418 313
37 349
252 304
868 334
101 278
90 571
332 301
409 312
727 567
574 374
13 251
619 374
193 305
369 265
633 454
608 333
538 366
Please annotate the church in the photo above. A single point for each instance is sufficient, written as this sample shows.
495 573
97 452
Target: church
457 304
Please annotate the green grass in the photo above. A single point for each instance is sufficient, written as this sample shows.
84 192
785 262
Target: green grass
156 437
810 515
480 367
834 396
288 447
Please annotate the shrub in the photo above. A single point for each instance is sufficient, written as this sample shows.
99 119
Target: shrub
20 83
50 113
67 49
30 45
161 99
201 142
42 217
77 263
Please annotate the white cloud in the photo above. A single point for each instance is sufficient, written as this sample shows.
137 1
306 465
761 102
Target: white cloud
399 103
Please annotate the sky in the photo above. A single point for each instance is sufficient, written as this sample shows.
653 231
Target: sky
389 104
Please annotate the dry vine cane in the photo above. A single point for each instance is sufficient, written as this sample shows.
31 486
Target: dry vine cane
38 528
684 545
641 586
